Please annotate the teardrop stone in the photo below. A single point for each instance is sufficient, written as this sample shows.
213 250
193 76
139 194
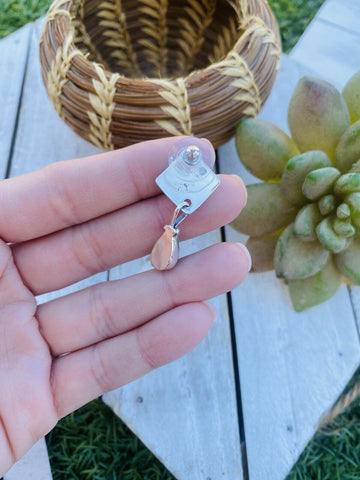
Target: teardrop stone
165 253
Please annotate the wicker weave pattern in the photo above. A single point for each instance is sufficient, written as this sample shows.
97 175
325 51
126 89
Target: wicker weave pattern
177 107
123 71
103 105
155 32
57 76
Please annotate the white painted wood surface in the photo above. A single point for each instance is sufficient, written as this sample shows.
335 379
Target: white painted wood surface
186 412
294 366
330 45
41 138
14 50
187 392
291 366
336 31
344 14
33 466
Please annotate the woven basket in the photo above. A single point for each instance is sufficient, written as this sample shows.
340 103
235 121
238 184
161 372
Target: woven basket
123 71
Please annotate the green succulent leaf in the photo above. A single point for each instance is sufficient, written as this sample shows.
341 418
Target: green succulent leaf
351 93
318 116
348 262
320 182
327 204
347 183
315 290
348 149
355 168
343 211
266 211
263 148
327 235
353 200
295 172
344 228
262 251
306 222
296 259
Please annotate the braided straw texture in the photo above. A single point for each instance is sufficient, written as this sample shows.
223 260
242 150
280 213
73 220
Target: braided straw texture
327 424
123 71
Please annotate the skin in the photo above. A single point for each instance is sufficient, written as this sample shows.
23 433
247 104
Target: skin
66 222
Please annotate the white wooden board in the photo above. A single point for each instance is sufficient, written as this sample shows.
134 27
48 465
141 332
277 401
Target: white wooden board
330 50
339 20
13 59
292 366
41 138
344 14
186 412
33 466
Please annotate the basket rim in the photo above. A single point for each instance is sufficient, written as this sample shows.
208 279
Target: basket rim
113 110
60 11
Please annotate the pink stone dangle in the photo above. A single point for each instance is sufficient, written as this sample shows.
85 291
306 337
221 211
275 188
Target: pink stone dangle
188 182
165 253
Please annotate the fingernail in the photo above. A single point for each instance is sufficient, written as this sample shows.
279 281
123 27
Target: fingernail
213 310
241 181
247 253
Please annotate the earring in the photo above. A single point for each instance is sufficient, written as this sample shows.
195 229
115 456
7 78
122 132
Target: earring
187 182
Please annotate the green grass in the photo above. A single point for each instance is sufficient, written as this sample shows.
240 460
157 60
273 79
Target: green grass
335 453
15 13
92 443
293 17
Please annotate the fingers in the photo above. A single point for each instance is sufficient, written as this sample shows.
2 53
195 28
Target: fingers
84 375
109 309
65 257
72 192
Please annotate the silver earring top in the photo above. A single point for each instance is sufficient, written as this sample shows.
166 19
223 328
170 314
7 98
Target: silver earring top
188 182
188 177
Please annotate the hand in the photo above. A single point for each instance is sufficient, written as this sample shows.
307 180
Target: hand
66 222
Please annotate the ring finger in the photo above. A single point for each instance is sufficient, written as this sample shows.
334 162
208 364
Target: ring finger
110 309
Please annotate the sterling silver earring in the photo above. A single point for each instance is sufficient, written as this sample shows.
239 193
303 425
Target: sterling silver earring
187 182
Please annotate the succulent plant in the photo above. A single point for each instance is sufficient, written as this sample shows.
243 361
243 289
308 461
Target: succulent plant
304 219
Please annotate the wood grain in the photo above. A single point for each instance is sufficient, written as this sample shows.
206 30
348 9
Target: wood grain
41 138
345 15
33 466
13 59
292 366
186 412
328 49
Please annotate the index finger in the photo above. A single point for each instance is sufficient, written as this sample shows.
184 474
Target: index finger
75 191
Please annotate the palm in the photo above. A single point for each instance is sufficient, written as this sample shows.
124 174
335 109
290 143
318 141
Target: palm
26 355
59 355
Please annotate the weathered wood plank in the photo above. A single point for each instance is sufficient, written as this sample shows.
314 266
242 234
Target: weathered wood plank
345 15
33 466
13 58
330 51
42 138
186 412
196 387
292 366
